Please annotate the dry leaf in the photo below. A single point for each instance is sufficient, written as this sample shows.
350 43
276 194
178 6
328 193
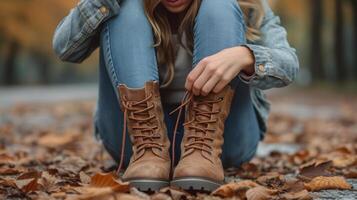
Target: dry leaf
53 140
292 185
5 159
9 171
351 173
174 193
100 193
8 182
344 161
59 195
301 195
27 185
234 189
315 169
325 183
48 182
260 193
160 196
248 171
30 175
84 177
109 180
73 164
271 179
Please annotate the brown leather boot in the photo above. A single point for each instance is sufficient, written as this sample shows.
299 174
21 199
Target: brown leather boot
200 166
149 167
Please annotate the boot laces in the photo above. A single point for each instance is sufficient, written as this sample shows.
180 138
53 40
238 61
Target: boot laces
144 129
202 118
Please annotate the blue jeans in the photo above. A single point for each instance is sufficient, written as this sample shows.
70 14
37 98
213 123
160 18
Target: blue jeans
127 57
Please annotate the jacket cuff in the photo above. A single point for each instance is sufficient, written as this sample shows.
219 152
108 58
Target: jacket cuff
95 12
263 64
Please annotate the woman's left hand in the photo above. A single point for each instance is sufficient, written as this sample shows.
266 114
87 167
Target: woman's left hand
214 72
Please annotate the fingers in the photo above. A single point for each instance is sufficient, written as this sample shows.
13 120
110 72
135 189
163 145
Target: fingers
210 84
224 81
200 82
194 74
211 74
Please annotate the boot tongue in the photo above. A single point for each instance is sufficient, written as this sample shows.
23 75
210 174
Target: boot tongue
133 94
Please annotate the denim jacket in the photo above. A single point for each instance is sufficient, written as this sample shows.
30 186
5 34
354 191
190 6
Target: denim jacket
76 37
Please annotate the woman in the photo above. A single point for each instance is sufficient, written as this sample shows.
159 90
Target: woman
223 53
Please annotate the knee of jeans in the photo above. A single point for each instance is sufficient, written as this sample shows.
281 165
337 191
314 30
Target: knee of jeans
131 18
219 11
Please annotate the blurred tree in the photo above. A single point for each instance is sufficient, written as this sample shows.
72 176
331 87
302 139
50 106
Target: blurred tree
354 10
317 69
28 25
341 68
11 52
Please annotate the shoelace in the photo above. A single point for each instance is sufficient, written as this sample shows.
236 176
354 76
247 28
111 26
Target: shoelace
139 113
200 141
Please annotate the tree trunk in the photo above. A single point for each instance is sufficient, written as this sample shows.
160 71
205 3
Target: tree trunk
354 8
43 64
339 43
9 75
317 69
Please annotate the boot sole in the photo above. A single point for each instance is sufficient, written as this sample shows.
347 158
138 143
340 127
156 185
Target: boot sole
193 183
147 185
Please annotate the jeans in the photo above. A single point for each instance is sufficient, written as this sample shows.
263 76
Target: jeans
127 56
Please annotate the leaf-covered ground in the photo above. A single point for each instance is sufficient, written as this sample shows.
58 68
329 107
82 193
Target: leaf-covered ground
47 151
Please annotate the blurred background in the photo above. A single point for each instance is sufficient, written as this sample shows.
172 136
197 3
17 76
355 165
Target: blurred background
322 31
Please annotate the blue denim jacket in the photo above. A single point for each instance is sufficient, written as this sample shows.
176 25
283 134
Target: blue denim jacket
76 37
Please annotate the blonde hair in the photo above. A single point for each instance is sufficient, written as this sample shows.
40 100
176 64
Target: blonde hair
165 51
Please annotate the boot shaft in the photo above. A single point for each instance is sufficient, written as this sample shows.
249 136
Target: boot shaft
145 120
205 118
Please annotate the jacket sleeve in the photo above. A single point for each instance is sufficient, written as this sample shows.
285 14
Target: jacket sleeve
276 63
77 35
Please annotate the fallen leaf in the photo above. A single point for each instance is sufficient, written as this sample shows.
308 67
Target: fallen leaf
234 189
8 182
315 169
293 185
84 178
30 175
342 161
27 185
260 193
174 193
9 171
53 140
248 171
352 173
73 164
59 195
161 196
325 183
5 159
100 193
300 156
301 195
272 179
48 182
109 180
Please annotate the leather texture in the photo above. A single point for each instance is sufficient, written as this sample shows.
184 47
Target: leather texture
202 142
147 131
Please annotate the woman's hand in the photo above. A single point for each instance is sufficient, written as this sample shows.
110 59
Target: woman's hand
214 72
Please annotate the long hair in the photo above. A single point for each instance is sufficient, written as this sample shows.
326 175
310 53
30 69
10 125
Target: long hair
165 51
